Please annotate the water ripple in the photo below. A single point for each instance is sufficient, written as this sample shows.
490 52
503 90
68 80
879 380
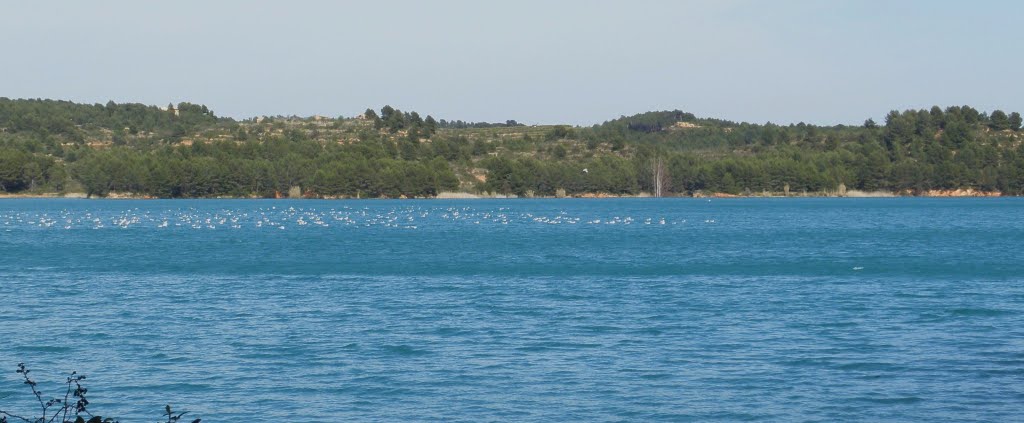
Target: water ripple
801 310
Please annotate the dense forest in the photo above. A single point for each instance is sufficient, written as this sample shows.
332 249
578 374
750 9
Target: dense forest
185 150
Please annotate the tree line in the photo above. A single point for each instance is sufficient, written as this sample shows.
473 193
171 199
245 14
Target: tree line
187 151
262 170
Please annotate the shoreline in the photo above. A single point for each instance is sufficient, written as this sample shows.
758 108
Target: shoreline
959 193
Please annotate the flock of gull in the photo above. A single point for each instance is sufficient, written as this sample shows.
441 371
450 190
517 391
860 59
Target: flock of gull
282 218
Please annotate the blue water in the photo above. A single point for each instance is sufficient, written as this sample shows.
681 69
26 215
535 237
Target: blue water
520 310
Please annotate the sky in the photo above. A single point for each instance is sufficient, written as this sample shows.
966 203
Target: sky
538 62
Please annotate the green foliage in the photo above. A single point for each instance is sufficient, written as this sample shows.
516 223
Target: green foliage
458 124
650 122
560 132
73 122
998 121
186 151
23 170
1015 121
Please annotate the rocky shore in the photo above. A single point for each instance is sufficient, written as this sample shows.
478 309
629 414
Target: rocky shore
961 193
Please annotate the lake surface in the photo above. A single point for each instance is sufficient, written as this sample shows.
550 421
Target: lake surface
520 310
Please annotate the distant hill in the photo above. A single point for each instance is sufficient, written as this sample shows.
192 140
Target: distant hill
185 150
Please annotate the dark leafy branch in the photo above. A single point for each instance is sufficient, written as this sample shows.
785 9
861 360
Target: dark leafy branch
72 407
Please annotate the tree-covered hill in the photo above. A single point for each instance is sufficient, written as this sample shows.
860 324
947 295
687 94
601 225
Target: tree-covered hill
72 122
185 150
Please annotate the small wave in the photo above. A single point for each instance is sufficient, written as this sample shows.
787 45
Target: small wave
259 356
656 376
979 312
600 328
838 324
807 362
547 346
866 366
168 387
44 349
449 331
404 350
649 331
891 400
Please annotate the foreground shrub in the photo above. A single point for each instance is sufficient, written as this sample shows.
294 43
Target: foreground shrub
71 408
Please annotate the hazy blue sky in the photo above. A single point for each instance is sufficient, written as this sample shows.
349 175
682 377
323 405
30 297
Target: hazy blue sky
580 62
